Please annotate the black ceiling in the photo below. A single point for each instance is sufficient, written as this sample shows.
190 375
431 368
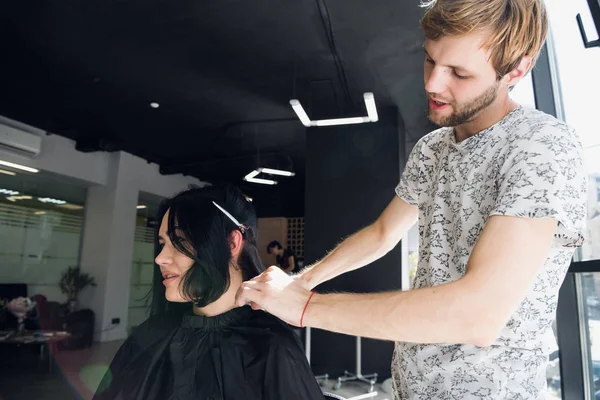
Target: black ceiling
222 71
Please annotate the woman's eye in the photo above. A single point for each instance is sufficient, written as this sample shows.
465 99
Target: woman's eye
179 241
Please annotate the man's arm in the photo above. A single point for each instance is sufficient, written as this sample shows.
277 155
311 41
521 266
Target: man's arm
503 265
365 246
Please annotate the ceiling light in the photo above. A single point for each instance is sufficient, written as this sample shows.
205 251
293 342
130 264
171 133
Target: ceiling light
69 206
371 108
300 112
8 192
272 171
252 174
51 200
369 104
2 171
17 166
141 207
341 121
15 198
251 177
263 181
40 212
154 105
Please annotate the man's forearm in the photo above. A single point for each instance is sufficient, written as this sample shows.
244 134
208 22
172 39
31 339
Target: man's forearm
441 314
358 250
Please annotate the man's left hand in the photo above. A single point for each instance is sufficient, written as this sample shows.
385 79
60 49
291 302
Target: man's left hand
277 293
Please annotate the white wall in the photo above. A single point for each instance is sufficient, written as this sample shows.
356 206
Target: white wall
114 181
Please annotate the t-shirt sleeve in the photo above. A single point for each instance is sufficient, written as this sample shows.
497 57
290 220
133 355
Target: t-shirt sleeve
544 177
408 188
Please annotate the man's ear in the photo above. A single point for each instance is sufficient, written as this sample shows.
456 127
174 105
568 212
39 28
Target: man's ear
514 76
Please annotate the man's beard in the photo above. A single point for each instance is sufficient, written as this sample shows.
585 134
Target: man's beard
463 113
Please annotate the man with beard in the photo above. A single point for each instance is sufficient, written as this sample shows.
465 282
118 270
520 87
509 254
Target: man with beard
499 193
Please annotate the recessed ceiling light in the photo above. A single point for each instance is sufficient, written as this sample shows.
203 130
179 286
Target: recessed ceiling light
2 171
141 207
18 166
154 105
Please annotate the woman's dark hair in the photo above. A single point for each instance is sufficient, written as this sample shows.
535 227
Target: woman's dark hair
199 230
274 243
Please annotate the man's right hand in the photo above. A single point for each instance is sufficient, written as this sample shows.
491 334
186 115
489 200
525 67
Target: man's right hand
303 278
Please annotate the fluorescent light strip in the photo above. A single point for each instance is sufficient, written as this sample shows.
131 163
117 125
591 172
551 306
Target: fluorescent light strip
371 108
15 198
300 112
369 104
340 121
7 172
8 192
141 207
272 171
263 181
251 174
51 200
17 166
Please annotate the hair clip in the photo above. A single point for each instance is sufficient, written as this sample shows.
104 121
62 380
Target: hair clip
241 227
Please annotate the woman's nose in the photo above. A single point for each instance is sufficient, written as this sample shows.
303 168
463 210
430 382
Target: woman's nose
163 258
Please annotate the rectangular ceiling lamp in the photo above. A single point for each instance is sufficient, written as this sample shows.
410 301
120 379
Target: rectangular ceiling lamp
18 166
372 115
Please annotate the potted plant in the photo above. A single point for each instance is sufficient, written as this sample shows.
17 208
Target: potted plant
72 282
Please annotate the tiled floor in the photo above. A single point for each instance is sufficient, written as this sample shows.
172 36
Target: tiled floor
76 375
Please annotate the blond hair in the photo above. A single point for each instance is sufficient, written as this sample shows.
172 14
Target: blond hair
517 27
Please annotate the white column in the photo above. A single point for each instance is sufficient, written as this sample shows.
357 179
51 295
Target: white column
107 246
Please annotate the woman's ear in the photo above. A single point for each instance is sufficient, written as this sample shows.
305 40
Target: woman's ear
236 242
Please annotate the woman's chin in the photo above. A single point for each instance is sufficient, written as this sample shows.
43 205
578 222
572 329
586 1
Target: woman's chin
174 298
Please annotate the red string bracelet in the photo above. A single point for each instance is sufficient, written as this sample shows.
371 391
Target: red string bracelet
305 307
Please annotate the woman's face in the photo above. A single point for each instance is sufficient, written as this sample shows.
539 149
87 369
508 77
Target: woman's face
173 264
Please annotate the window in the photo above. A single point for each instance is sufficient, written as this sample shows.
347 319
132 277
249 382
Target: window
41 220
578 84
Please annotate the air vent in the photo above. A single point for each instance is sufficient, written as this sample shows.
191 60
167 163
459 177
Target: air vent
18 141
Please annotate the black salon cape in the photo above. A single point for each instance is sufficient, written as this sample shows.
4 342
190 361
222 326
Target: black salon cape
239 355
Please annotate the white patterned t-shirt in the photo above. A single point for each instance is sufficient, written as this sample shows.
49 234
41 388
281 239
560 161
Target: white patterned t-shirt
527 165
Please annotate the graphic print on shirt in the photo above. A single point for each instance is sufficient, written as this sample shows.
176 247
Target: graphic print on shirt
527 165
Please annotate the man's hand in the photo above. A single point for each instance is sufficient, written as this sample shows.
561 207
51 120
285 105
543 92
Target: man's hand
277 293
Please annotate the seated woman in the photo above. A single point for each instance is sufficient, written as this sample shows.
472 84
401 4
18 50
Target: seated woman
196 343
